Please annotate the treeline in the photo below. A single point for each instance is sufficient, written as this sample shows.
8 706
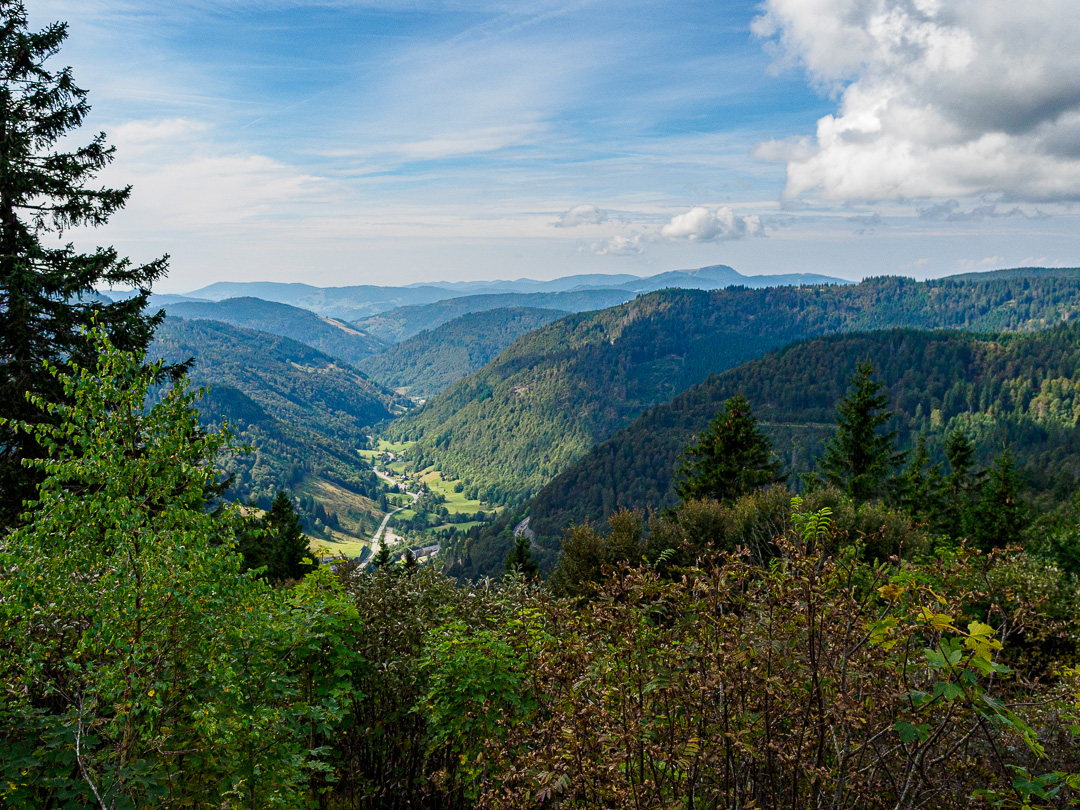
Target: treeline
512 426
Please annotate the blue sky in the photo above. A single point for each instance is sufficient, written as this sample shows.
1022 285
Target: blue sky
347 142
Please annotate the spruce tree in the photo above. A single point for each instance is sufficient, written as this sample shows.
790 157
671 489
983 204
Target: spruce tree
920 486
731 458
519 560
999 517
47 290
959 483
861 456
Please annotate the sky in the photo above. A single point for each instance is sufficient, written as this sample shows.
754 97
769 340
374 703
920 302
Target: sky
338 142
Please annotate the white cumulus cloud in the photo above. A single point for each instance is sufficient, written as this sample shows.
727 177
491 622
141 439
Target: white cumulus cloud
936 98
700 224
619 245
583 214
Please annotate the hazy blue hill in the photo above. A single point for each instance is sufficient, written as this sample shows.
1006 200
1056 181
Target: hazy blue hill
402 323
1020 389
334 338
430 362
303 412
346 303
513 425
362 301
719 276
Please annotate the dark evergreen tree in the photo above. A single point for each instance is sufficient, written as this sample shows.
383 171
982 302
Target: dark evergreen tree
731 458
920 487
998 518
959 483
519 560
861 456
277 542
382 557
47 293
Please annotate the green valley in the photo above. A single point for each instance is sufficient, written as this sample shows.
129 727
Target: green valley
515 424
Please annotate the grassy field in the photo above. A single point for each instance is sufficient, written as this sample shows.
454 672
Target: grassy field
456 502
461 527
355 532
338 544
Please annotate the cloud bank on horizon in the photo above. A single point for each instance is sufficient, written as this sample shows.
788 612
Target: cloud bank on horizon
388 141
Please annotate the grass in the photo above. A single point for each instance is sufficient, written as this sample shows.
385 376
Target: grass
353 534
338 544
456 502
461 527
384 446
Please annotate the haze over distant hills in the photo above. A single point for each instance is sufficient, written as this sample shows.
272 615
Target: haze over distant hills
361 301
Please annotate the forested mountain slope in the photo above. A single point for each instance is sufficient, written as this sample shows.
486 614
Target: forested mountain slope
1019 390
335 338
303 414
404 322
428 363
555 393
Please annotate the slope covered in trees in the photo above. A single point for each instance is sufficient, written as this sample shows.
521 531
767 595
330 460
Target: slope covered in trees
430 362
402 323
512 426
303 414
331 337
1022 390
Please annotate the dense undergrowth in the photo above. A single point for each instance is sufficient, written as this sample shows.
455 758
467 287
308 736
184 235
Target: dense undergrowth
828 660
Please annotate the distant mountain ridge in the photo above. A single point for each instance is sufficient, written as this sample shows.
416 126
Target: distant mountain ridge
361 301
335 338
404 322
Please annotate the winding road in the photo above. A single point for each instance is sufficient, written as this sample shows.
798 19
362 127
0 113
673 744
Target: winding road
377 537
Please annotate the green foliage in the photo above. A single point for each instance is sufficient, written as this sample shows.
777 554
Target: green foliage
588 556
559 391
815 680
969 395
48 289
999 517
519 560
731 458
276 542
138 665
430 362
861 456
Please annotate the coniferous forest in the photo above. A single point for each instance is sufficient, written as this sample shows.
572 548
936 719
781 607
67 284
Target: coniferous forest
788 547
